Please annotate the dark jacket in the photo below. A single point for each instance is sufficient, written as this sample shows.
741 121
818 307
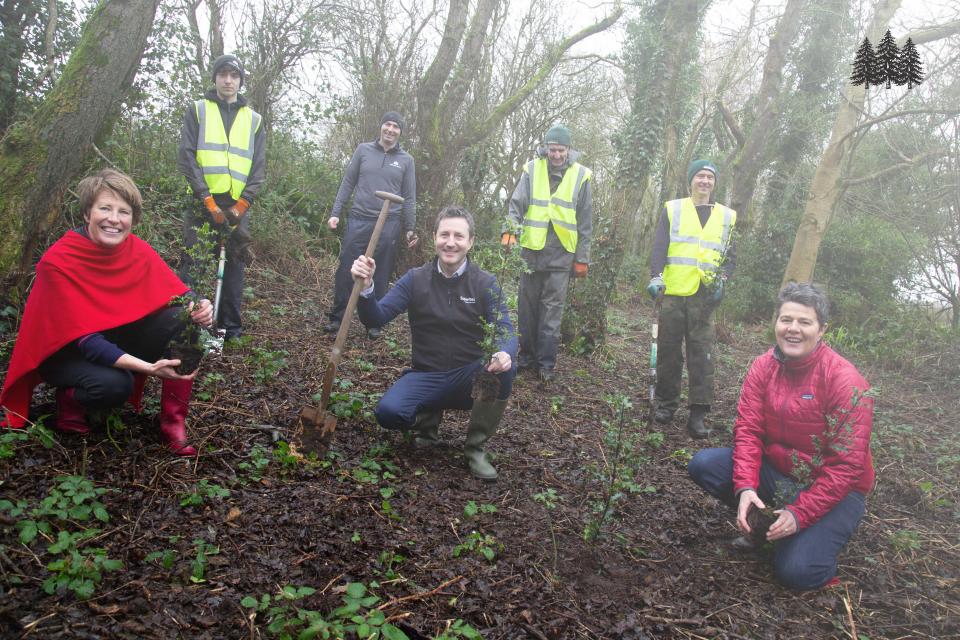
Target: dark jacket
445 315
785 408
372 169
187 154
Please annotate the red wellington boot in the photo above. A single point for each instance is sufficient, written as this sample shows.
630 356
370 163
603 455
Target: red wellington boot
174 404
71 416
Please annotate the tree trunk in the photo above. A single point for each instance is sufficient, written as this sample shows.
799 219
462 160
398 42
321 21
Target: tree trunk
216 29
440 145
41 155
827 185
753 152
653 75
15 17
661 86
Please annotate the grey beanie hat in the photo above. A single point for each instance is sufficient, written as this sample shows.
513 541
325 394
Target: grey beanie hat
392 116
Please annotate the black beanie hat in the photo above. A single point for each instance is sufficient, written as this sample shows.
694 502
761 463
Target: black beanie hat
229 61
392 116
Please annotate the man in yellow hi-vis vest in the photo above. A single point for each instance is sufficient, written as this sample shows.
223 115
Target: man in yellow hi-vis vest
693 255
222 155
553 211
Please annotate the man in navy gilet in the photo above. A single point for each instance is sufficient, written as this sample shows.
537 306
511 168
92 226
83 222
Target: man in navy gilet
449 301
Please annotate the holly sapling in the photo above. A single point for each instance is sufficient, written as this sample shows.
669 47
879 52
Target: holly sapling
714 281
614 485
502 262
549 498
193 342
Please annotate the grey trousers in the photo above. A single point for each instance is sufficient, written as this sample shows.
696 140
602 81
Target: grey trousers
539 312
685 319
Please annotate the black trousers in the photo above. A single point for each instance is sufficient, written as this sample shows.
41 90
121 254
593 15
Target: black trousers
237 245
354 245
99 386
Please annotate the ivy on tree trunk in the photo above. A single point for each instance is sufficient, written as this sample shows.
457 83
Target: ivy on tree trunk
42 154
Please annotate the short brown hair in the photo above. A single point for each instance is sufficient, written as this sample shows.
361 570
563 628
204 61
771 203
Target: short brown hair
806 294
455 211
116 181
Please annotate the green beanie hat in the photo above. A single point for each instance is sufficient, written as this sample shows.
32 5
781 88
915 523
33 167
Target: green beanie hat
558 134
698 165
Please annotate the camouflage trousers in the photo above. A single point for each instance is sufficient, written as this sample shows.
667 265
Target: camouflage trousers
685 319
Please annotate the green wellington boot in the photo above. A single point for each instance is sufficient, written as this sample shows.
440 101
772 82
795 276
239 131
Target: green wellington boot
484 420
427 428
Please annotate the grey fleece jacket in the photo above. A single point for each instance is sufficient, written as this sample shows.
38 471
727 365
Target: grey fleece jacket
553 256
187 154
372 169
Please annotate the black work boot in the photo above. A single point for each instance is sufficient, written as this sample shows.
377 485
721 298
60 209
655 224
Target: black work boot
663 415
695 426
332 326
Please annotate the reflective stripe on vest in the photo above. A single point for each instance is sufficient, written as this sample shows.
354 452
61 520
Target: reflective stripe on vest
695 252
225 161
559 208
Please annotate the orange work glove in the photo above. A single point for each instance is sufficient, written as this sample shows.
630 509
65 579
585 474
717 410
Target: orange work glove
508 240
215 212
580 269
236 212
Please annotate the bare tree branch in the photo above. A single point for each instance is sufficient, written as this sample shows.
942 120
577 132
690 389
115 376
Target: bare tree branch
511 103
911 162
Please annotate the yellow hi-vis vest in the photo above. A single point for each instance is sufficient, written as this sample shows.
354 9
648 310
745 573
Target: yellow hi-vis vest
695 252
559 208
225 161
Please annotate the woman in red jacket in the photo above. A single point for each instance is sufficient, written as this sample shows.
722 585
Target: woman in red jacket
98 320
801 445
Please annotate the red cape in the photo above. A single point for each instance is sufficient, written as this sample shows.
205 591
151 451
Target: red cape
79 289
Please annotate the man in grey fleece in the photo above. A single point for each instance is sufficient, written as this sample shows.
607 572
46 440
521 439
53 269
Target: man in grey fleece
552 208
381 165
223 157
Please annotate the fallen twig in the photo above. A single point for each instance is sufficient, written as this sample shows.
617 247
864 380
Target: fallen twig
846 604
419 596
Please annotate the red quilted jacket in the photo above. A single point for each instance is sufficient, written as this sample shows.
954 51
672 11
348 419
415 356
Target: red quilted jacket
782 415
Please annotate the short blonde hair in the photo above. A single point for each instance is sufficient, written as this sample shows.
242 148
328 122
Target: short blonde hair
117 182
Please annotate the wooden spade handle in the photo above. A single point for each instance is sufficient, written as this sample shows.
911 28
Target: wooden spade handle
337 352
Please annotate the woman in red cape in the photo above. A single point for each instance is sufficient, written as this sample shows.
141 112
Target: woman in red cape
98 320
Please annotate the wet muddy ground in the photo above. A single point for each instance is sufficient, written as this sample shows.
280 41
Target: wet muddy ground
436 549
